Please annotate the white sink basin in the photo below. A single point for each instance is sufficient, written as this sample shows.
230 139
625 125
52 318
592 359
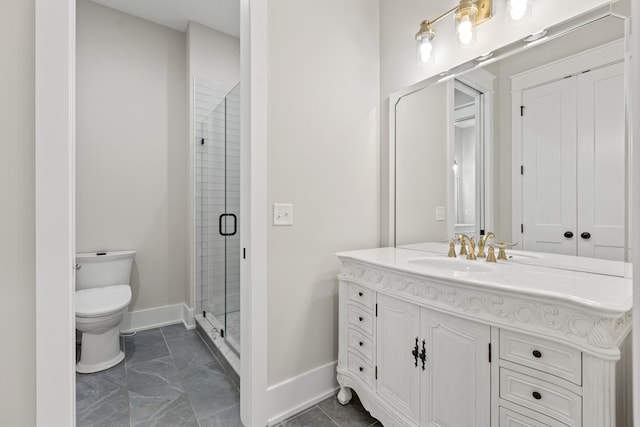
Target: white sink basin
453 264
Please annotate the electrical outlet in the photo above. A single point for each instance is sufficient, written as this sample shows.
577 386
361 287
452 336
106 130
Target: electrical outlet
282 214
440 213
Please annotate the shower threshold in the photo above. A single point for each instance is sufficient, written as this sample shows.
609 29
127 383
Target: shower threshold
226 354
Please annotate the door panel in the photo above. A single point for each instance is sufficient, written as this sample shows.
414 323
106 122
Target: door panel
549 160
398 378
456 385
601 152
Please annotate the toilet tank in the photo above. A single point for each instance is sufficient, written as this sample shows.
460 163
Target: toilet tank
95 270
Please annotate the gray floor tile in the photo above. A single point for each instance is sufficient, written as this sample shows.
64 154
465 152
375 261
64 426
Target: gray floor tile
188 350
109 380
103 408
173 331
225 418
352 414
209 389
154 378
161 411
314 417
144 346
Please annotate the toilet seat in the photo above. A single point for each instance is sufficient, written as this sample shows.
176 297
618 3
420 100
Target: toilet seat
96 302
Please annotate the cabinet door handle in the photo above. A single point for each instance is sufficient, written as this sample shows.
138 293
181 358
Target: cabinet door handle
359 294
537 354
361 343
568 234
361 369
415 352
586 235
536 395
423 355
360 319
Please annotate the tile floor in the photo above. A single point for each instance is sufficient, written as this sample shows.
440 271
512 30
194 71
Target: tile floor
330 413
170 379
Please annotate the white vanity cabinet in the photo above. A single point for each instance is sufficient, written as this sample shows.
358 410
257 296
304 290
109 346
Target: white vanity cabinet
429 348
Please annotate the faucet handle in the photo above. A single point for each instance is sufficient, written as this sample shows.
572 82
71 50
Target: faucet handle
491 257
463 246
452 249
502 255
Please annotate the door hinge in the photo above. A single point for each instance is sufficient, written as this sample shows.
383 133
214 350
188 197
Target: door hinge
521 169
376 309
489 352
522 228
522 111
376 371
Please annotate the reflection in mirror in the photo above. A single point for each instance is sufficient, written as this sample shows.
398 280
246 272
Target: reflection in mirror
503 149
466 138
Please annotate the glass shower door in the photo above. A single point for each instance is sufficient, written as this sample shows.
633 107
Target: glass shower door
218 210
232 212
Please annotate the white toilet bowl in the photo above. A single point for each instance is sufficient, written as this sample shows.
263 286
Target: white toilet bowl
102 300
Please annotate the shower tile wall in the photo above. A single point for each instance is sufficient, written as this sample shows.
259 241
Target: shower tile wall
209 112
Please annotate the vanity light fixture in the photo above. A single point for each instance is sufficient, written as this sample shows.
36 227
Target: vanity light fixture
468 14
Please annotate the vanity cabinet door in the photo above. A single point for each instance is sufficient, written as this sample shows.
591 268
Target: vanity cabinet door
456 383
398 383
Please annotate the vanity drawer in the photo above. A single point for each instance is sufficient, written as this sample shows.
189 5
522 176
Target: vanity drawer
360 344
541 396
361 295
361 318
361 368
547 356
508 418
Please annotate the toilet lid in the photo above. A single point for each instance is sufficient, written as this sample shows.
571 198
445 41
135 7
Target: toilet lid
98 301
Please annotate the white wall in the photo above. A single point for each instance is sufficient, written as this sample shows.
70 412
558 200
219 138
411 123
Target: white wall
213 55
131 149
17 214
398 69
323 154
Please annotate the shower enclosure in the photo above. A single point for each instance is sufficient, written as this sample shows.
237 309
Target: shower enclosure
217 208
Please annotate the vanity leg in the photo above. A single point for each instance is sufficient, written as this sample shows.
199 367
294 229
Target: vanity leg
344 395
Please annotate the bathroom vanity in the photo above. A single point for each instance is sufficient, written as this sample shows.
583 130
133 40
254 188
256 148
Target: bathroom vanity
427 340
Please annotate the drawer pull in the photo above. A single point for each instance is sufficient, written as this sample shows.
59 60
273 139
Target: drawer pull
537 354
360 318
359 294
361 343
536 395
361 369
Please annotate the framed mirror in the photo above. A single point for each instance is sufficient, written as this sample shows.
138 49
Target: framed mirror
529 142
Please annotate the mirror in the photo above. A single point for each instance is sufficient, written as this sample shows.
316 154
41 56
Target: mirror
529 143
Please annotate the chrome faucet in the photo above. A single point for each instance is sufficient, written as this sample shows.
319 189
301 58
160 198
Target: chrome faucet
482 243
466 240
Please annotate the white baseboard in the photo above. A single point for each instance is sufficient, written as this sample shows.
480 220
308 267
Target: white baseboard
158 316
301 392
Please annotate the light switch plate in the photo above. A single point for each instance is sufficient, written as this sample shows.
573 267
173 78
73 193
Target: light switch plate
440 213
282 214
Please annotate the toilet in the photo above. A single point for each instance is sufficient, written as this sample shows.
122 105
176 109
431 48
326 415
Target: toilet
103 294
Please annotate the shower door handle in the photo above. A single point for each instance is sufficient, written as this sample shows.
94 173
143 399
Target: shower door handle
235 225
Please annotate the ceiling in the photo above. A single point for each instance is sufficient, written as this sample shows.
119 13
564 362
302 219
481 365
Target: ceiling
221 15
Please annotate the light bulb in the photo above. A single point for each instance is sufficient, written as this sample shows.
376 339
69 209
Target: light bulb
425 51
517 9
465 30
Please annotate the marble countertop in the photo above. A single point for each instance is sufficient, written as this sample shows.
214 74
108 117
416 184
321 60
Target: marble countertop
597 289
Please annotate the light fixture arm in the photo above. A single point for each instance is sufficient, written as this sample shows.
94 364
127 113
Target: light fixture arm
444 15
